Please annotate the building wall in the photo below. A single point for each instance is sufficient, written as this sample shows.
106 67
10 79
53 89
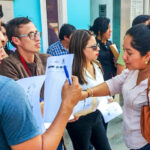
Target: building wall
95 10
78 12
30 8
129 10
116 22
7 7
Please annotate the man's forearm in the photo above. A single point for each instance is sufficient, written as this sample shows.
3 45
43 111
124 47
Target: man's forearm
51 138
53 135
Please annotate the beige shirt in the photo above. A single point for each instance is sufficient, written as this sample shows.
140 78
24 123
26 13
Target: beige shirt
134 98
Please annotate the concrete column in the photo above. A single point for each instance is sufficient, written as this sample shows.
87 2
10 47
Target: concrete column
44 25
146 7
62 12
125 18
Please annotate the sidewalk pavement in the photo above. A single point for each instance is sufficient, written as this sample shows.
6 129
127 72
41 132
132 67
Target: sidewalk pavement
115 135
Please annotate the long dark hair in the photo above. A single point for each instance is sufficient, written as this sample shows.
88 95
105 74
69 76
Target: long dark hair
77 44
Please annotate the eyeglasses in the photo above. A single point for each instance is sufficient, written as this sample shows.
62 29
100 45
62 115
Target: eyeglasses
31 35
94 47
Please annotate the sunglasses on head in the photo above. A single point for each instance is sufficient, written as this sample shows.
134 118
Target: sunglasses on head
94 47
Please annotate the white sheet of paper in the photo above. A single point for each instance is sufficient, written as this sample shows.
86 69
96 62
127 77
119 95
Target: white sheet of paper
110 111
55 78
82 105
32 87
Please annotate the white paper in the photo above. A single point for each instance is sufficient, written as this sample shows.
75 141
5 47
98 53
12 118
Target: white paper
110 111
55 78
82 105
32 87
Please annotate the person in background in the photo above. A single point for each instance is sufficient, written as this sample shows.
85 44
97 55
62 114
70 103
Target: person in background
132 82
1 14
120 63
61 47
5 41
2 51
26 61
102 31
141 19
3 30
89 128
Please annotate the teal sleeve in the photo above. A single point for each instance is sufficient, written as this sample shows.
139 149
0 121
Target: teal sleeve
17 122
120 59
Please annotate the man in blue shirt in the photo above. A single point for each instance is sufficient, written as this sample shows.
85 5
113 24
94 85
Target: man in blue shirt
17 123
18 129
62 47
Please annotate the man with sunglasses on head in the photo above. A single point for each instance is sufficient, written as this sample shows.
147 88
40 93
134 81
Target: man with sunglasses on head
26 61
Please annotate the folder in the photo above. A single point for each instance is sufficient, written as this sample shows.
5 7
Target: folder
114 50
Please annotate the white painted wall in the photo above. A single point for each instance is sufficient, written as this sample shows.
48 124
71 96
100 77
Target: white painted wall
62 18
62 12
146 6
44 25
95 8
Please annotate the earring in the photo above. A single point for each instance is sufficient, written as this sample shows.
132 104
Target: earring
146 62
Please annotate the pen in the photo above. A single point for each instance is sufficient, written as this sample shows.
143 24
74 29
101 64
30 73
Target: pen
67 74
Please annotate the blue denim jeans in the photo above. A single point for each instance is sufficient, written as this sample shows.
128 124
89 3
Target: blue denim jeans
60 146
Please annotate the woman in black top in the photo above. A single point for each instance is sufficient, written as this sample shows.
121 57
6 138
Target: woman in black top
102 31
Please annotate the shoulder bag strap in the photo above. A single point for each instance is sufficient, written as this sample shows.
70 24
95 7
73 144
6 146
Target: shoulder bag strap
148 91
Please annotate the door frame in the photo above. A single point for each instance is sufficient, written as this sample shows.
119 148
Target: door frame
62 18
